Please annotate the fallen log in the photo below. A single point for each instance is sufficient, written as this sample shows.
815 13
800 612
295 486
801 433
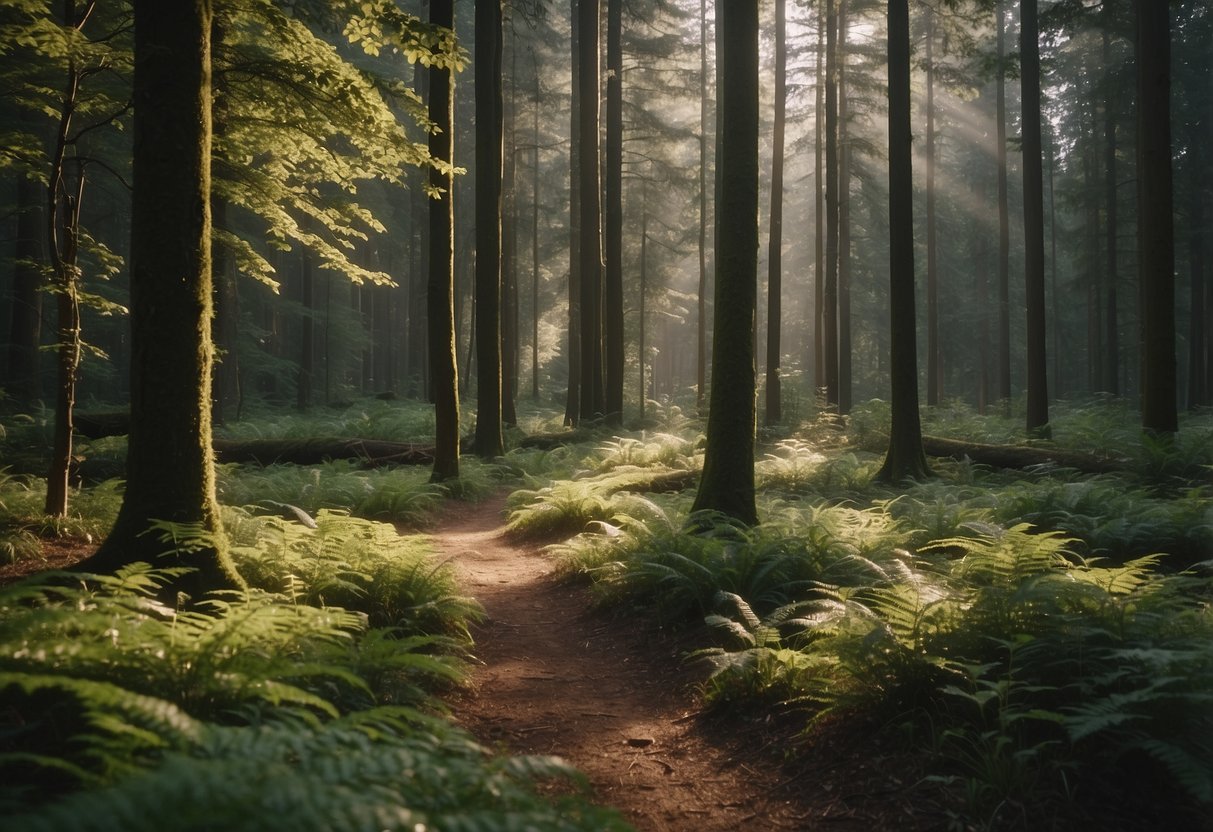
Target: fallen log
316 451
1021 456
558 439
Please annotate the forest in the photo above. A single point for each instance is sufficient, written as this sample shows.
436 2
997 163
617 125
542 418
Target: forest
661 415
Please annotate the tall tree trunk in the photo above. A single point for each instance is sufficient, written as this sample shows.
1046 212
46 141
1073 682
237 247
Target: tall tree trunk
25 325
644 294
934 373
64 194
440 297
981 271
614 214
592 390
509 251
819 217
829 299
844 221
170 468
1094 276
1111 373
1155 219
572 403
905 458
489 441
701 320
1198 393
727 484
1004 218
1033 220
774 408
535 232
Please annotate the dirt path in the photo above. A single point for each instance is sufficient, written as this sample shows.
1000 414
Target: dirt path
608 695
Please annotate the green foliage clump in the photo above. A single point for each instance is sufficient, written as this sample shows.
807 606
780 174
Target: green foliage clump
251 711
352 563
400 494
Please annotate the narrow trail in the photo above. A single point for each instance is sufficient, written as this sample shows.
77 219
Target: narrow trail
608 695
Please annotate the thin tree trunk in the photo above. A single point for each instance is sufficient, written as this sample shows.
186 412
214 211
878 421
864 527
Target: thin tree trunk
819 217
934 373
844 221
489 440
1155 219
535 233
64 194
307 340
774 408
1004 219
592 389
1033 220
614 214
509 251
701 336
830 288
1111 373
572 404
440 297
644 293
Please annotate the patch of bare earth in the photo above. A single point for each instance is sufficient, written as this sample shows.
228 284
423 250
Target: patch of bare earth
613 696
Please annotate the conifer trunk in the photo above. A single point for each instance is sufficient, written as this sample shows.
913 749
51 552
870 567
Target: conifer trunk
1033 219
614 214
905 457
592 389
774 406
170 468
489 440
1004 218
440 296
727 483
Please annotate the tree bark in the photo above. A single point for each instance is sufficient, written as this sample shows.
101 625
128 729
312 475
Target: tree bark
1004 218
727 484
614 214
572 404
701 320
509 249
170 467
819 219
1111 369
844 221
934 380
1156 263
774 406
905 457
593 397
489 440
440 320
1033 220
829 296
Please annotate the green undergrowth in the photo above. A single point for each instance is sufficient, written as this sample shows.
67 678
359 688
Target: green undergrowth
305 703
1047 635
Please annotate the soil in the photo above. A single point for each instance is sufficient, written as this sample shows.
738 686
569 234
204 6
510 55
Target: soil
615 697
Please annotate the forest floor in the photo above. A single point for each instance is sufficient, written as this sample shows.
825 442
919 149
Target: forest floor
613 695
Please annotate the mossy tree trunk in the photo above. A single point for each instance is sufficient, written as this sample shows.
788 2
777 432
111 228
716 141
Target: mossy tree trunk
905 458
170 469
441 291
727 484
